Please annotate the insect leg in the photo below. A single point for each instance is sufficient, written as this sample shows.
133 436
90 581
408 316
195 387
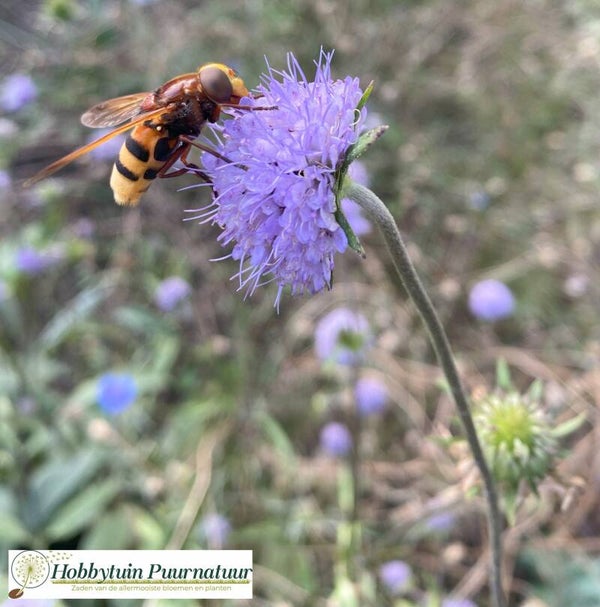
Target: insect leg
175 155
181 153
205 148
250 108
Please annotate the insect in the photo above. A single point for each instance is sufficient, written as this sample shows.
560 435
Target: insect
163 125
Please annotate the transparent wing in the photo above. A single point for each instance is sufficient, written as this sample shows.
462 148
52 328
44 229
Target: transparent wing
114 111
61 162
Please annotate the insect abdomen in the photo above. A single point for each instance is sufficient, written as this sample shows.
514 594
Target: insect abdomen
141 157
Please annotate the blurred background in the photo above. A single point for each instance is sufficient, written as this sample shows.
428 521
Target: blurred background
144 404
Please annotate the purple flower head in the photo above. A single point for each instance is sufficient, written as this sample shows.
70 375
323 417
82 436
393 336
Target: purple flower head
371 396
491 300
342 336
396 576
84 228
33 261
171 292
216 529
116 392
275 199
17 91
458 603
479 200
5 180
335 439
441 522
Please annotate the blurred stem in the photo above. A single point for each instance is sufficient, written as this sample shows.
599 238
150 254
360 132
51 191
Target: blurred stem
348 540
379 214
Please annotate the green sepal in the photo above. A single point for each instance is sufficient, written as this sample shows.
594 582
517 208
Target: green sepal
364 142
353 241
503 378
510 503
535 391
357 149
365 96
569 426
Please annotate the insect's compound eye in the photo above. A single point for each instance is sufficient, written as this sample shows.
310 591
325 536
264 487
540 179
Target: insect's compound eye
215 84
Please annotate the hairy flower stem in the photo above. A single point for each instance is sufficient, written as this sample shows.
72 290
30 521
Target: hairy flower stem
379 214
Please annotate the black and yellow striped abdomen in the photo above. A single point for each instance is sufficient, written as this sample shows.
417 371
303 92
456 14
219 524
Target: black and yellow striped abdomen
144 153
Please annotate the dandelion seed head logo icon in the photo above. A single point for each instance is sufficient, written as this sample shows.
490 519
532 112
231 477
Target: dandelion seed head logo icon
29 569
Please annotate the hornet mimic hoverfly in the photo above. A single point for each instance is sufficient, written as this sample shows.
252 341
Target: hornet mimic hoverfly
163 124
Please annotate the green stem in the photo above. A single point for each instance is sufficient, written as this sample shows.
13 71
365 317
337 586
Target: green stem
379 214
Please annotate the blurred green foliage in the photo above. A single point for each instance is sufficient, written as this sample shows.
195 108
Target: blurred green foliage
488 101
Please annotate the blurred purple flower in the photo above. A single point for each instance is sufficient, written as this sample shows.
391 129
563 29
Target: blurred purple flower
371 396
108 150
170 292
33 261
17 91
440 522
335 439
491 300
116 392
84 228
216 529
342 336
396 576
458 603
479 200
5 180
275 201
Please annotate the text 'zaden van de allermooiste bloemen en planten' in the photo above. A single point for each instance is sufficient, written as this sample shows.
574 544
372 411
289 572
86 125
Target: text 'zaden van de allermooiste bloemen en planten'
278 177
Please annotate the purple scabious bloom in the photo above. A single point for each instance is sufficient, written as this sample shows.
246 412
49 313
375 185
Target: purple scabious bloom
84 228
17 91
33 261
335 439
441 522
116 392
491 300
371 396
275 200
215 528
479 200
171 292
5 180
342 336
396 576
